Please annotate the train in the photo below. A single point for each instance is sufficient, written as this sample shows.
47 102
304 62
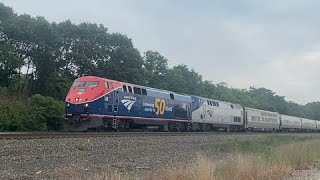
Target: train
95 103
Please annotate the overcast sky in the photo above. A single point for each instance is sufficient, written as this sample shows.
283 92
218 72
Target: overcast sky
271 43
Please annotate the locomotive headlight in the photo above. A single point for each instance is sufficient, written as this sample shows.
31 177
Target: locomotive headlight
86 105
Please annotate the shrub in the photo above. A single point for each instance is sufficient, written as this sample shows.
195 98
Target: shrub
47 110
13 110
38 113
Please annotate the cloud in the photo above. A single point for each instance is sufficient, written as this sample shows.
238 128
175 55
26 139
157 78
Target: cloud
273 44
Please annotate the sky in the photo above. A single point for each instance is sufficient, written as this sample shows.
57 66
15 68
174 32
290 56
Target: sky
268 43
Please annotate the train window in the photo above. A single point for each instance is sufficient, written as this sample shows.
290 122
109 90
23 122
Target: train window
171 96
78 84
217 104
144 91
85 84
208 102
91 84
124 88
231 106
237 119
108 85
136 90
129 89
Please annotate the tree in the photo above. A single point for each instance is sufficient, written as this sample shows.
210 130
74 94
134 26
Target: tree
182 80
156 67
38 57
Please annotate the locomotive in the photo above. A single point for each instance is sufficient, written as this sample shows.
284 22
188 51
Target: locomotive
101 104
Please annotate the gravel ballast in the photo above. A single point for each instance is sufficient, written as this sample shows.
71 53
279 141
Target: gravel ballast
313 173
52 158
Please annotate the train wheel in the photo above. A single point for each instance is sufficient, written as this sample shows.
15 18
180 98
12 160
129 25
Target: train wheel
203 128
180 127
171 127
189 127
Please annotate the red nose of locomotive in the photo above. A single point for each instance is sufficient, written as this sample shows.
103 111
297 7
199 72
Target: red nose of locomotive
86 89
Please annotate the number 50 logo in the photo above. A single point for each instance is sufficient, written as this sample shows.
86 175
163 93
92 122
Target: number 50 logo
160 105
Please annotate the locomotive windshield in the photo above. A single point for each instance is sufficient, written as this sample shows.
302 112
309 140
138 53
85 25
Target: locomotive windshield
85 84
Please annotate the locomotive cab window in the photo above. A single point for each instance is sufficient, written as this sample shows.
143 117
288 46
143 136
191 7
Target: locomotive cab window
108 85
78 84
124 88
85 84
91 84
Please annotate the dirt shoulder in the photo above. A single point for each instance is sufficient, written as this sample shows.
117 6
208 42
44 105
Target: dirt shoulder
312 173
51 158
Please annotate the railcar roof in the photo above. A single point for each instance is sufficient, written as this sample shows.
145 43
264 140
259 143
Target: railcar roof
216 100
261 110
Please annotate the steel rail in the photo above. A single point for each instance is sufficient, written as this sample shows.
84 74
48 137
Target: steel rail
48 135
51 135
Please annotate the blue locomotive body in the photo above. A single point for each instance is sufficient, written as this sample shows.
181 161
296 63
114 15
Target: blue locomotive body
129 106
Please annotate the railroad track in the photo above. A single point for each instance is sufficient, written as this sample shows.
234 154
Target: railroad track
48 135
51 135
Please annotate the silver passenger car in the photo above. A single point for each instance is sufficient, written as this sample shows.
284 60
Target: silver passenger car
260 120
308 124
290 123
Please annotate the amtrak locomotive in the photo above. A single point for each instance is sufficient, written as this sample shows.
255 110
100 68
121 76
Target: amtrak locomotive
100 104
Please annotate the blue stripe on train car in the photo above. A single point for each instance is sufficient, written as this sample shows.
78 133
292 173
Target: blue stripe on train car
136 105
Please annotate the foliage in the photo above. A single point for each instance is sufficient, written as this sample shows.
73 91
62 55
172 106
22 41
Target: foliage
47 110
263 145
38 113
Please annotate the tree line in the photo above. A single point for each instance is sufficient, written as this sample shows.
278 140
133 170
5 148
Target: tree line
40 57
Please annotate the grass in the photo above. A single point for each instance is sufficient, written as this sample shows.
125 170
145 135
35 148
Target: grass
268 157
263 145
